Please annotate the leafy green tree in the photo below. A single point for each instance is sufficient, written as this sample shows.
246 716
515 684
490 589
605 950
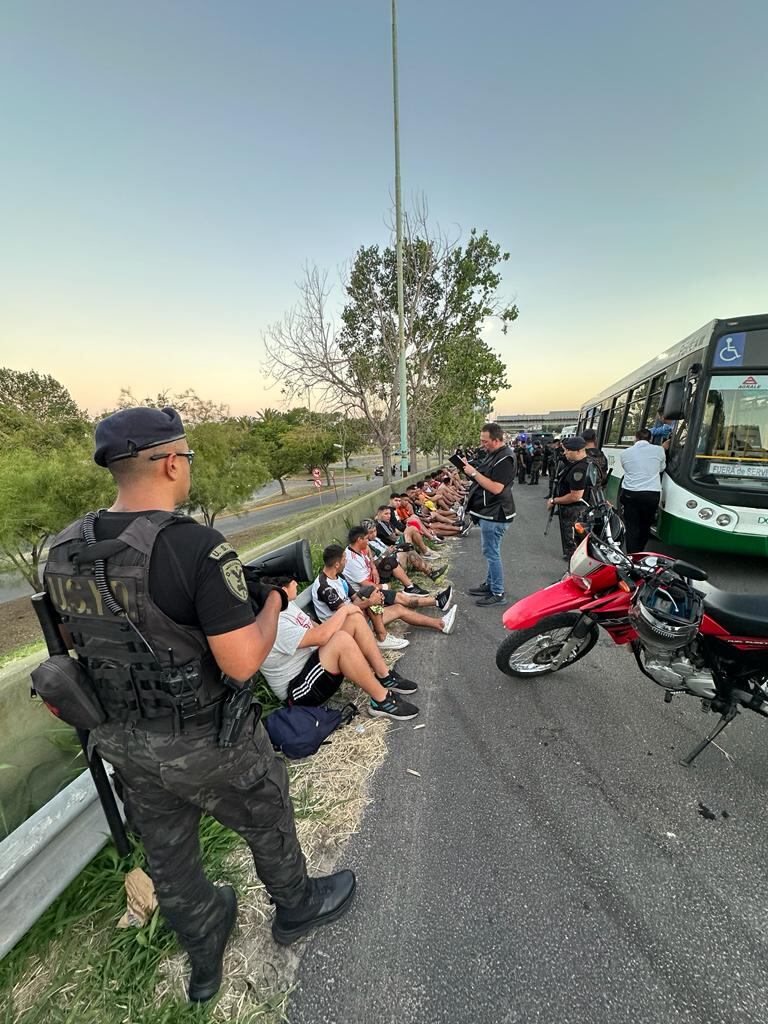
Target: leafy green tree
270 427
451 291
311 447
37 394
38 413
228 468
40 495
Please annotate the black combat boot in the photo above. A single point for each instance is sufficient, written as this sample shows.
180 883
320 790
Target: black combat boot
208 959
326 900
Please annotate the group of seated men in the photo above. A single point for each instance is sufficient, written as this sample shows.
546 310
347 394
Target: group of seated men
353 602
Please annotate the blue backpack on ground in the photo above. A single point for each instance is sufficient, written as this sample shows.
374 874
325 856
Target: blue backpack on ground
300 731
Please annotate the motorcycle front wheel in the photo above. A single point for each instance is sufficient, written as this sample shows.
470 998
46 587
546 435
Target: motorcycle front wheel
531 652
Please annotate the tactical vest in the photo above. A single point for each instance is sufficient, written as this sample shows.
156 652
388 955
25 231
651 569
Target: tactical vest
482 504
176 681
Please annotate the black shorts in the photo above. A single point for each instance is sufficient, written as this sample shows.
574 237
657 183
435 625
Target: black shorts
313 685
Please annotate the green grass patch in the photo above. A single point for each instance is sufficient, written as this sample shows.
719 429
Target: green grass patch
21 652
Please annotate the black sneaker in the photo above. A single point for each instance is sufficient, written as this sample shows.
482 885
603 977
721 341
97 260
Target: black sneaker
490 599
466 528
415 591
392 707
437 573
444 599
398 684
479 591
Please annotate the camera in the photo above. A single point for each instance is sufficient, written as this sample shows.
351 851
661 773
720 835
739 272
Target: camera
293 560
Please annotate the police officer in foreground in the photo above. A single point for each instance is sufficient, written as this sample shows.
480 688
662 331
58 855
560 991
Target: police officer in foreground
159 611
573 492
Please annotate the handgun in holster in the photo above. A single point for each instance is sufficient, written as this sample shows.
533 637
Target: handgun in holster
235 712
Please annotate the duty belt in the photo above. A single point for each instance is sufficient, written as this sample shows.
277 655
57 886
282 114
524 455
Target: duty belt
178 722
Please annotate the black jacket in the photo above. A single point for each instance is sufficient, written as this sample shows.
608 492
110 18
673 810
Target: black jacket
497 508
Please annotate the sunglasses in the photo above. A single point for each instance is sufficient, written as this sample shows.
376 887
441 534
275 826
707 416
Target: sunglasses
166 455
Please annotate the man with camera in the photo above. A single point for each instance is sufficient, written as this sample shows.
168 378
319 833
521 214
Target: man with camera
160 615
490 503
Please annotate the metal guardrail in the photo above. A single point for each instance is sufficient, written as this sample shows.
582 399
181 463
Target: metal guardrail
42 856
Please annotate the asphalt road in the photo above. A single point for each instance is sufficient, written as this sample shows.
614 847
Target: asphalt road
553 863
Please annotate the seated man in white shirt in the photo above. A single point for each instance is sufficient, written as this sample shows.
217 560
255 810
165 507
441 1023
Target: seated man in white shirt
333 588
308 662
643 465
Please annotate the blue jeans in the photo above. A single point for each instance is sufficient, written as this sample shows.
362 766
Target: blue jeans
491 535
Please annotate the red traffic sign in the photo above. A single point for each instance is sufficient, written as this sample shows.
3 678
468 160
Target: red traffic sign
316 473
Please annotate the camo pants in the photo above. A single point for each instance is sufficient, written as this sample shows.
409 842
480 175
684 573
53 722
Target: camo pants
169 781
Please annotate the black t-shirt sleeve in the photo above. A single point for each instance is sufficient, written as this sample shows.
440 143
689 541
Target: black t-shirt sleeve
576 478
197 579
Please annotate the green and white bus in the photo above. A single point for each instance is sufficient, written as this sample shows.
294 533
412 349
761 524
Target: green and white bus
712 387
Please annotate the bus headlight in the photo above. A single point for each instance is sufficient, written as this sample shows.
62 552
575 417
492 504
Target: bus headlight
706 513
724 520
691 504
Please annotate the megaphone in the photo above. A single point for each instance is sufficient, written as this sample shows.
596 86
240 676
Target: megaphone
294 560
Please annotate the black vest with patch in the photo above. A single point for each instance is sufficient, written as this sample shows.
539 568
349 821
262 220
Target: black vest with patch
132 682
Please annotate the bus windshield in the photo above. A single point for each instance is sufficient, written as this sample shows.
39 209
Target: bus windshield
733 441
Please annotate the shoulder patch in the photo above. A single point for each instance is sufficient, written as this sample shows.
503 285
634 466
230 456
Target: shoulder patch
220 550
577 476
232 572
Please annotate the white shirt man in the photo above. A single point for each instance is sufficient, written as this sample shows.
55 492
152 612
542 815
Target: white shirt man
643 465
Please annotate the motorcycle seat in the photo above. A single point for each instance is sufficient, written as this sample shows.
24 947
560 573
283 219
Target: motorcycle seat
742 614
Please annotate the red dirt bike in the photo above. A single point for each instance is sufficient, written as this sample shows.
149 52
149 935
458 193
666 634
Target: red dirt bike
685 635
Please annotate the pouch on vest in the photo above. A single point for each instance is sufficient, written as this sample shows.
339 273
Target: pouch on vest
67 692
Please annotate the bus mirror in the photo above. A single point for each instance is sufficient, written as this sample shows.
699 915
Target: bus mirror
674 400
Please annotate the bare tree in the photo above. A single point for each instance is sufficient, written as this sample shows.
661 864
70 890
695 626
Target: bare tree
304 351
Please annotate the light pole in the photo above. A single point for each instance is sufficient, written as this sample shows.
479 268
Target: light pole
344 469
399 228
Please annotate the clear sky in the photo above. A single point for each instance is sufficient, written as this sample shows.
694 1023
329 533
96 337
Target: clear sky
167 168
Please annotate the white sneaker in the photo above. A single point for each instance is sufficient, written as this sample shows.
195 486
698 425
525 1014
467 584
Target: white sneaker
431 556
393 643
449 620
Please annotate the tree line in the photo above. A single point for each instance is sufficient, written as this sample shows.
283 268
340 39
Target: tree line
348 362
48 477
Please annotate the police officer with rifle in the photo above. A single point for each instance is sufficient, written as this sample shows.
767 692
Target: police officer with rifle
573 492
168 637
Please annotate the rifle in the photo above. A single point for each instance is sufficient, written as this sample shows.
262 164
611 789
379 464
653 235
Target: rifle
555 482
49 623
549 520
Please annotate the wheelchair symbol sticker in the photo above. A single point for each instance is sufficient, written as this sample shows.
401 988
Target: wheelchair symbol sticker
730 350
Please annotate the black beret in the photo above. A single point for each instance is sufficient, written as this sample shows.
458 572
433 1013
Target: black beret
574 444
126 433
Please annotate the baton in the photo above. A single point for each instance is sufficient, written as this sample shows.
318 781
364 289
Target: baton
49 623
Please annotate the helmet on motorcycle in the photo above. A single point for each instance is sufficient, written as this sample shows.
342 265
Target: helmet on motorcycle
666 613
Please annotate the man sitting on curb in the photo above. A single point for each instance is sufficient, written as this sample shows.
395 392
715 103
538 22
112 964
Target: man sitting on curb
331 590
391 526
361 565
308 663
390 552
